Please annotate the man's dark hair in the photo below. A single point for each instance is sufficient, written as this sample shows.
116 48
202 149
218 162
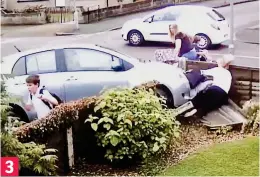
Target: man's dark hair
33 79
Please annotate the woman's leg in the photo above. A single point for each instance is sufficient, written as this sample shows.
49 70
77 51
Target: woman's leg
191 55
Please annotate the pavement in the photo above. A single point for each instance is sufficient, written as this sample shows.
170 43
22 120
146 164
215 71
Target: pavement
38 30
100 26
249 34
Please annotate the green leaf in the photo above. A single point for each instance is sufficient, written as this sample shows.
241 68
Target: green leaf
113 132
110 157
94 126
100 121
176 134
107 126
106 119
50 150
88 120
121 129
155 147
128 122
114 140
96 108
102 104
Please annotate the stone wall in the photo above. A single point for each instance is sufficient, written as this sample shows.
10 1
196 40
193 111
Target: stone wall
23 19
93 4
98 14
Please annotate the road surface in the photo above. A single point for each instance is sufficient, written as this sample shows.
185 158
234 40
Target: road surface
247 54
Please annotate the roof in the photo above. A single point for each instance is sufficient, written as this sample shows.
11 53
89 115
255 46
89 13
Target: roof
9 61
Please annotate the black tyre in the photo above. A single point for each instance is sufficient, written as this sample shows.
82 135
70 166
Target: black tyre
163 91
135 38
204 42
19 113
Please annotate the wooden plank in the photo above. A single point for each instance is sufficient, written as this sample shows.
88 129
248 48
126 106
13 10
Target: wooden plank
255 93
255 84
240 82
243 92
242 87
70 147
236 107
235 116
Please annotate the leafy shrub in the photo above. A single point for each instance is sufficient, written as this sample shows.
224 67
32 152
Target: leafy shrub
251 109
31 156
133 123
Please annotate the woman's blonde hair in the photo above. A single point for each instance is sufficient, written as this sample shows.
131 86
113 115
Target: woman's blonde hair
174 32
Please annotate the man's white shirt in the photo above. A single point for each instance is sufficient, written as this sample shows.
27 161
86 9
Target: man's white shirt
40 107
221 77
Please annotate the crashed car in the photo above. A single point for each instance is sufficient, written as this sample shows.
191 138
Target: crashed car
82 70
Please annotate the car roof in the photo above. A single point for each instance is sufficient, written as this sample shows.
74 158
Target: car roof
8 62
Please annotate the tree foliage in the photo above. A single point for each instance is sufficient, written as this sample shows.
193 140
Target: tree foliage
252 111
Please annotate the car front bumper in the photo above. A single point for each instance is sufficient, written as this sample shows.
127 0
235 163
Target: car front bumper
124 34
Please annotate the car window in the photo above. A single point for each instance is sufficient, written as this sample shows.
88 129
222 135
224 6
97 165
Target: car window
215 15
170 16
43 62
19 67
87 59
166 16
158 17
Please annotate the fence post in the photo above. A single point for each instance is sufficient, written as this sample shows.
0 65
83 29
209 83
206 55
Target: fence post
70 147
88 14
98 13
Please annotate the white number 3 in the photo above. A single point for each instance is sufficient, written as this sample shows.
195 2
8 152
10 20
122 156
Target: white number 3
10 166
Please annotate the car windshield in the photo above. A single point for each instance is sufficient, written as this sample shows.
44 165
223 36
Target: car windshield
215 15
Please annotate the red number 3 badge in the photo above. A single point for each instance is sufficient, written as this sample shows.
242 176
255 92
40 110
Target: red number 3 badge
9 166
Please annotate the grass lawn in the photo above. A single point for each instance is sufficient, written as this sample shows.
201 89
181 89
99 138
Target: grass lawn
237 158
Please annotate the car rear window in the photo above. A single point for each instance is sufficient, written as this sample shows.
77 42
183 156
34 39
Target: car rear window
215 15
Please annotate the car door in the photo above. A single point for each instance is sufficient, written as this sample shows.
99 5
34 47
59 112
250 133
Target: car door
89 72
157 26
46 64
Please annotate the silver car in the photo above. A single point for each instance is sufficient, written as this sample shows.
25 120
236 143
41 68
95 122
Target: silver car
82 70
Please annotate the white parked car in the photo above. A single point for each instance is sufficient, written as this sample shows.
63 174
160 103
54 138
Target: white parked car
74 71
203 21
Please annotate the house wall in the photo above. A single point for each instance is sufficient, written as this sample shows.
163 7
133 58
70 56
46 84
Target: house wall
93 4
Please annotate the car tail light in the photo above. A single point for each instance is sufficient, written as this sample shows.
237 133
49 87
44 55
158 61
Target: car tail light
215 26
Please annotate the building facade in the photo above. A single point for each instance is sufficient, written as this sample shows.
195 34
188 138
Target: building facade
92 4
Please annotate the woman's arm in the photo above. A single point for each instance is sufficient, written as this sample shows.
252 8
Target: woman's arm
177 46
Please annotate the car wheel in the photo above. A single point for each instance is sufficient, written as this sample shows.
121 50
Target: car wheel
163 91
204 42
135 38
